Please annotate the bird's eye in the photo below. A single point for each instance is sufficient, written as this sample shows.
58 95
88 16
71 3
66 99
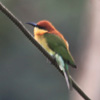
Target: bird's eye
41 27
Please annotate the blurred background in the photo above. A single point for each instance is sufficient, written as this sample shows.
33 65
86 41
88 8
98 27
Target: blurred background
25 74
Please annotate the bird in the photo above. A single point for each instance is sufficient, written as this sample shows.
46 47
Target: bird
56 45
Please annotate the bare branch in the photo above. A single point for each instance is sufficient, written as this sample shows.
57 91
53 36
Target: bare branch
30 37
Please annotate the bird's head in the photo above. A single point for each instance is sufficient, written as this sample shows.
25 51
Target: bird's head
42 27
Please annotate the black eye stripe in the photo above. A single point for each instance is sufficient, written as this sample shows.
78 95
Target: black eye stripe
41 27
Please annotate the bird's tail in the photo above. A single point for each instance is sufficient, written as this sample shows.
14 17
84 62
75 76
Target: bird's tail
67 77
64 68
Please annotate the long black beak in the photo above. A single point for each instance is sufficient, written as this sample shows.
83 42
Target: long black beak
32 24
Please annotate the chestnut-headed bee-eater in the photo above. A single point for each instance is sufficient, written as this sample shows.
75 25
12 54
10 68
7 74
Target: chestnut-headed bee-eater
55 44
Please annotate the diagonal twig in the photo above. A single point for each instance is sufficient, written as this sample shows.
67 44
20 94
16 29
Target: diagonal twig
19 24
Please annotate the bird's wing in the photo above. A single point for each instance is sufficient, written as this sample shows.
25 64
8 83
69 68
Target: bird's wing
58 45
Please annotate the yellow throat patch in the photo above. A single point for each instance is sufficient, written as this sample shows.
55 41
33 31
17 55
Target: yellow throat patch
38 31
39 37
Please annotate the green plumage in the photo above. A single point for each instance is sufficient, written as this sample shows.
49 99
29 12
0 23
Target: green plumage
58 45
54 45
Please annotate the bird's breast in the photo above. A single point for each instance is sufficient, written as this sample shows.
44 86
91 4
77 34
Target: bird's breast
42 41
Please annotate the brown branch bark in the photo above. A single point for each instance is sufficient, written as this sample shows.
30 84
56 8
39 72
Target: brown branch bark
30 37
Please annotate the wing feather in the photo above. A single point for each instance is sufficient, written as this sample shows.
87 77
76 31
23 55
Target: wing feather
58 45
